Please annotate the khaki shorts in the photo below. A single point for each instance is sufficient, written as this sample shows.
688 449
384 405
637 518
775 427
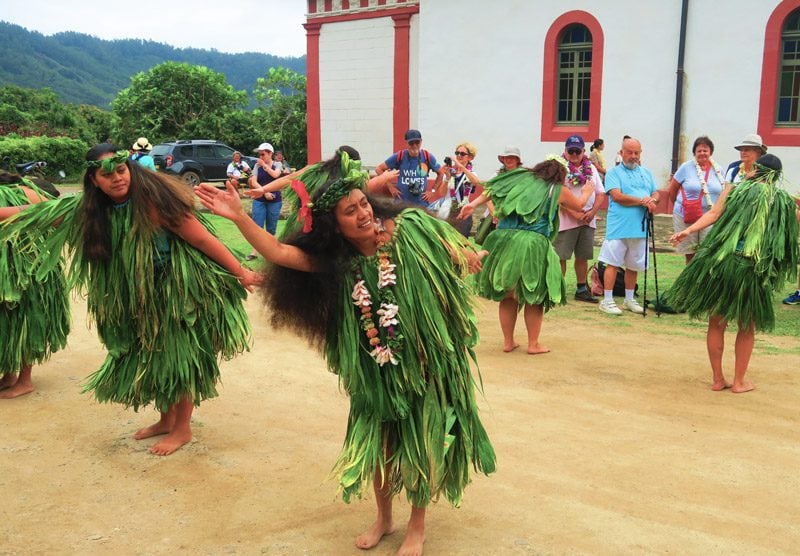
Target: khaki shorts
579 241
690 242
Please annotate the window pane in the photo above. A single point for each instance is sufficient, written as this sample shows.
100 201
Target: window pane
574 75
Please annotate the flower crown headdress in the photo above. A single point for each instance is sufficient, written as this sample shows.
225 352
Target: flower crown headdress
108 164
353 177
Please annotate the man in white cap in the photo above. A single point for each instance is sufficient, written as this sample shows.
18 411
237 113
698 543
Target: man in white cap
266 206
141 149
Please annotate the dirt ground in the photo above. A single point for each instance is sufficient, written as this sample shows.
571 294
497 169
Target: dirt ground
611 444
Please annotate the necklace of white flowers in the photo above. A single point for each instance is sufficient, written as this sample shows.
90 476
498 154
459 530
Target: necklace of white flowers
384 338
702 178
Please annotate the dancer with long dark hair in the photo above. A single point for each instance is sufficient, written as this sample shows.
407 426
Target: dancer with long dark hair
379 288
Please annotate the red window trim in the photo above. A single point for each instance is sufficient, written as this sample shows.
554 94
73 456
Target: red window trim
770 68
550 131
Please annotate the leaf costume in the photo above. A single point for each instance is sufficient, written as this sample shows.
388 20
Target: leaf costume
521 256
163 310
751 250
34 308
423 409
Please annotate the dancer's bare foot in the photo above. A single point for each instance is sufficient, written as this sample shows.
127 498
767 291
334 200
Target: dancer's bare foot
412 544
163 426
537 349
19 389
745 386
722 385
372 536
171 442
508 348
8 380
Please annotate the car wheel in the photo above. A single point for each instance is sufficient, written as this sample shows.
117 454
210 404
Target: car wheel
191 178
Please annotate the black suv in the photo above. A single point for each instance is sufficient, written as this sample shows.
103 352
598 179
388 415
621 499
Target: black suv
195 160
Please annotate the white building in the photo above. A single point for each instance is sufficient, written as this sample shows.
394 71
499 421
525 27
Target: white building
532 72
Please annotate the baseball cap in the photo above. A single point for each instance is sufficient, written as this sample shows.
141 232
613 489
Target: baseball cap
264 147
413 135
574 141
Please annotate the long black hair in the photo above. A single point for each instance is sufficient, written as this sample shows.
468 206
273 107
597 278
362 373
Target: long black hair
171 199
305 302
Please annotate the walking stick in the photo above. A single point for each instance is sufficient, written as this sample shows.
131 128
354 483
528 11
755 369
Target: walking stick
646 226
652 233
649 228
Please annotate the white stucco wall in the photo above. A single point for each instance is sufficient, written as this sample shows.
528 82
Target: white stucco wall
482 78
476 74
356 86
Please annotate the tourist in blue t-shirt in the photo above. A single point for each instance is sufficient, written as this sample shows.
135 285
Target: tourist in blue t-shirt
632 192
413 165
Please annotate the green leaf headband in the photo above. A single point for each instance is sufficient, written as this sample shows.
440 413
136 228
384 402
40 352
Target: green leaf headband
108 164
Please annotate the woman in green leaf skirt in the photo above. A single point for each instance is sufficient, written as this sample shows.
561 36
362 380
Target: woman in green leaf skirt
165 294
379 288
523 270
34 309
750 252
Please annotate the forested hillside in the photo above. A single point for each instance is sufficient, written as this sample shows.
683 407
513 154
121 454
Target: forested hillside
83 69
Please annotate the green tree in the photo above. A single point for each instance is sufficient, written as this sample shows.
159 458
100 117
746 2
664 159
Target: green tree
172 101
281 111
40 112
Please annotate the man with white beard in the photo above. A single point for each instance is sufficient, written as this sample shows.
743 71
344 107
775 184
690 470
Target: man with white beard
632 193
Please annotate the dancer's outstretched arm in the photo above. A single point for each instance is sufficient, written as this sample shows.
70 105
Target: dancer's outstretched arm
226 203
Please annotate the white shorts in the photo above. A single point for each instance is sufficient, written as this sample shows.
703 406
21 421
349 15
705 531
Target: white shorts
629 253
690 242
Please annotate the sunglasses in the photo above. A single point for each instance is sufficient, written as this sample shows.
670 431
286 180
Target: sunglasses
416 142
574 151
462 153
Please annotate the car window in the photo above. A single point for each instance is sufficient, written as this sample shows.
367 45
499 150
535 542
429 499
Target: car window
224 152
184 151
160 150
205 151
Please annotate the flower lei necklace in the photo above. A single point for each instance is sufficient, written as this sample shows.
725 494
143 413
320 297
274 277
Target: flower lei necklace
703 184
579 175
390 350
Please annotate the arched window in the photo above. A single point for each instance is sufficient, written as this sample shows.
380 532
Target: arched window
779 106
789 89
572 77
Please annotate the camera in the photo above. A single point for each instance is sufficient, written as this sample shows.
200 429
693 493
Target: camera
448 161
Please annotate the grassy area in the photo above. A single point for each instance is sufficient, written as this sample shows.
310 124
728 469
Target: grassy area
669 266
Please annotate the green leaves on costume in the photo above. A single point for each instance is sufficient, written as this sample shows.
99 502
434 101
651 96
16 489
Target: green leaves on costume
519 192
108 165
423 411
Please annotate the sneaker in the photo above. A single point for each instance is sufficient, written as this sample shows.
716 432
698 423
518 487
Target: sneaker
585 295
633 306
609 307
793 299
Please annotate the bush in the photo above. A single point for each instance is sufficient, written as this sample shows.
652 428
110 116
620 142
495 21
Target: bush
60 153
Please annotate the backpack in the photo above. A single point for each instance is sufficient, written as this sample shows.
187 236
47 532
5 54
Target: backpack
595 280
425 155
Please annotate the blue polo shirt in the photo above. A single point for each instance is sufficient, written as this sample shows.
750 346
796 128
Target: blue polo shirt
626 222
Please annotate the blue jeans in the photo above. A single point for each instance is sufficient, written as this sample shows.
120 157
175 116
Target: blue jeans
267 213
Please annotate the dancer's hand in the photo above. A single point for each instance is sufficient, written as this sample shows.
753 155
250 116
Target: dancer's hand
250 278
225 203
474 263
678 237
466 211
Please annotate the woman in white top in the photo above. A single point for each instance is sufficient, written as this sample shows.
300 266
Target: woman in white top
694 189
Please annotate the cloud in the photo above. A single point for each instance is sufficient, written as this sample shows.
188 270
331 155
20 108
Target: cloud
270 27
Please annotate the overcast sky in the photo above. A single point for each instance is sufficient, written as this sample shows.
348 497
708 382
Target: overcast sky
266 26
